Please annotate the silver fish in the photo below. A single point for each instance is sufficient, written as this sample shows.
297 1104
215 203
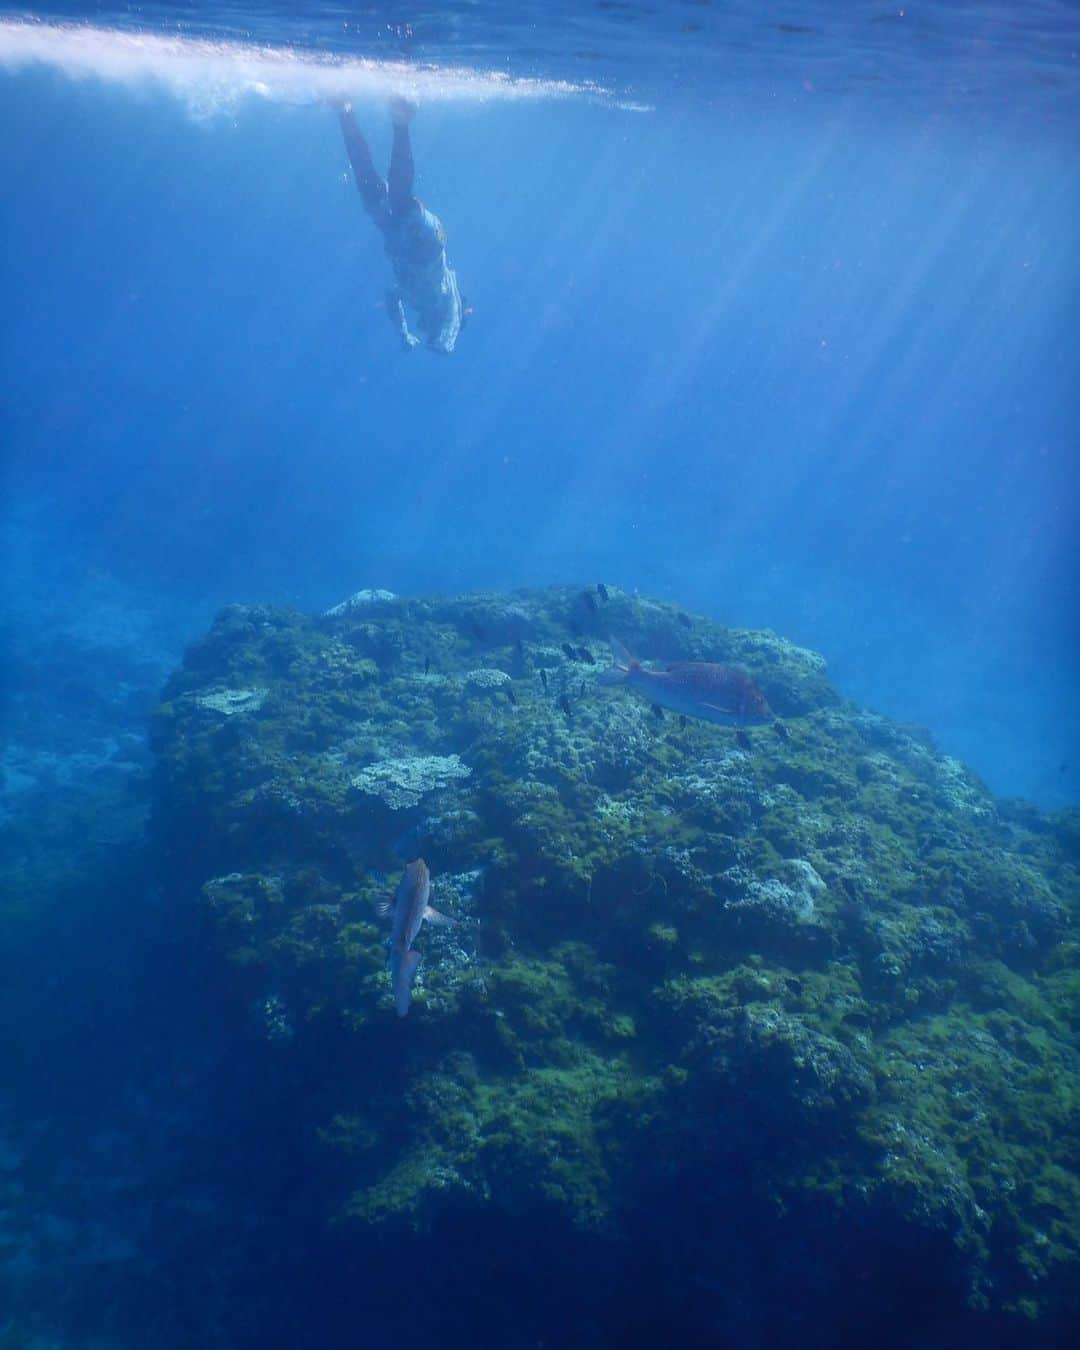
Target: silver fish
714 693
407 912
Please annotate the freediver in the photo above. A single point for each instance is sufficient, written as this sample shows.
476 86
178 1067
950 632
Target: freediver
414 238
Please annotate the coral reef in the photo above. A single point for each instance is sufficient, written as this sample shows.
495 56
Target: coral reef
818 956
402 783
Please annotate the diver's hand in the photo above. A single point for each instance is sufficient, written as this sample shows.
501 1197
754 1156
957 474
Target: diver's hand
396 310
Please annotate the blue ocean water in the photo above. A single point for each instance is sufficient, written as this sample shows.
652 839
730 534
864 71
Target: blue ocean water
792 344
775 318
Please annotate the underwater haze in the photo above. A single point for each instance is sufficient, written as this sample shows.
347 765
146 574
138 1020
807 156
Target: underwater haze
767 362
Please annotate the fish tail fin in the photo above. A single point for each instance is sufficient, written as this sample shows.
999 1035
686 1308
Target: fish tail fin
439 920
622 664
402 976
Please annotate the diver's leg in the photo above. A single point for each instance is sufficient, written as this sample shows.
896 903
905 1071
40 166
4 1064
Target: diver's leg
402 171
371 183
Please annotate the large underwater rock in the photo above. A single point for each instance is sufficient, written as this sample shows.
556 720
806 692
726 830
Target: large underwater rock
814 967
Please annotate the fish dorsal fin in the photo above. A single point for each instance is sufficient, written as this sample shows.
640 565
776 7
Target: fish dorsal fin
383 908
622 659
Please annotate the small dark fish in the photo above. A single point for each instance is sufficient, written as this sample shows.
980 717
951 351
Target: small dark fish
585 655
520 646
543 678
685 619
683 720
581 691
574 627
511 695
590 601
476 630
742 740
569 652
601 590
658 712
781 731
427 664
564 704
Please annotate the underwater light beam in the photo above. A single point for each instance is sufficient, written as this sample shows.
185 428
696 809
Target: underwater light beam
212 77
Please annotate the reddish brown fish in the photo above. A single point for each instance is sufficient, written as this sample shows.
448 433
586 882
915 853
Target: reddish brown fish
715 693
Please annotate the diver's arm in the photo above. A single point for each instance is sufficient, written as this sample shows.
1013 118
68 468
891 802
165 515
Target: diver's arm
396 310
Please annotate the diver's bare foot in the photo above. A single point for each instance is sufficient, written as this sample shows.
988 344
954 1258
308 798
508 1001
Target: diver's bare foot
402 111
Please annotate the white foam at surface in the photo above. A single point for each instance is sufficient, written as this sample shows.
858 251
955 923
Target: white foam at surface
213 76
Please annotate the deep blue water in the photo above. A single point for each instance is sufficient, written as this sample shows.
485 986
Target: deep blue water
776 316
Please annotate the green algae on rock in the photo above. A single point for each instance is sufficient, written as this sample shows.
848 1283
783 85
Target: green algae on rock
830 961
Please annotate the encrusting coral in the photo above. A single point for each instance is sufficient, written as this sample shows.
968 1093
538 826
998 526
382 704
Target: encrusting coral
818 953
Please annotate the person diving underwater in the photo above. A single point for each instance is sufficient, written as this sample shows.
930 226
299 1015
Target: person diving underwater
413 236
